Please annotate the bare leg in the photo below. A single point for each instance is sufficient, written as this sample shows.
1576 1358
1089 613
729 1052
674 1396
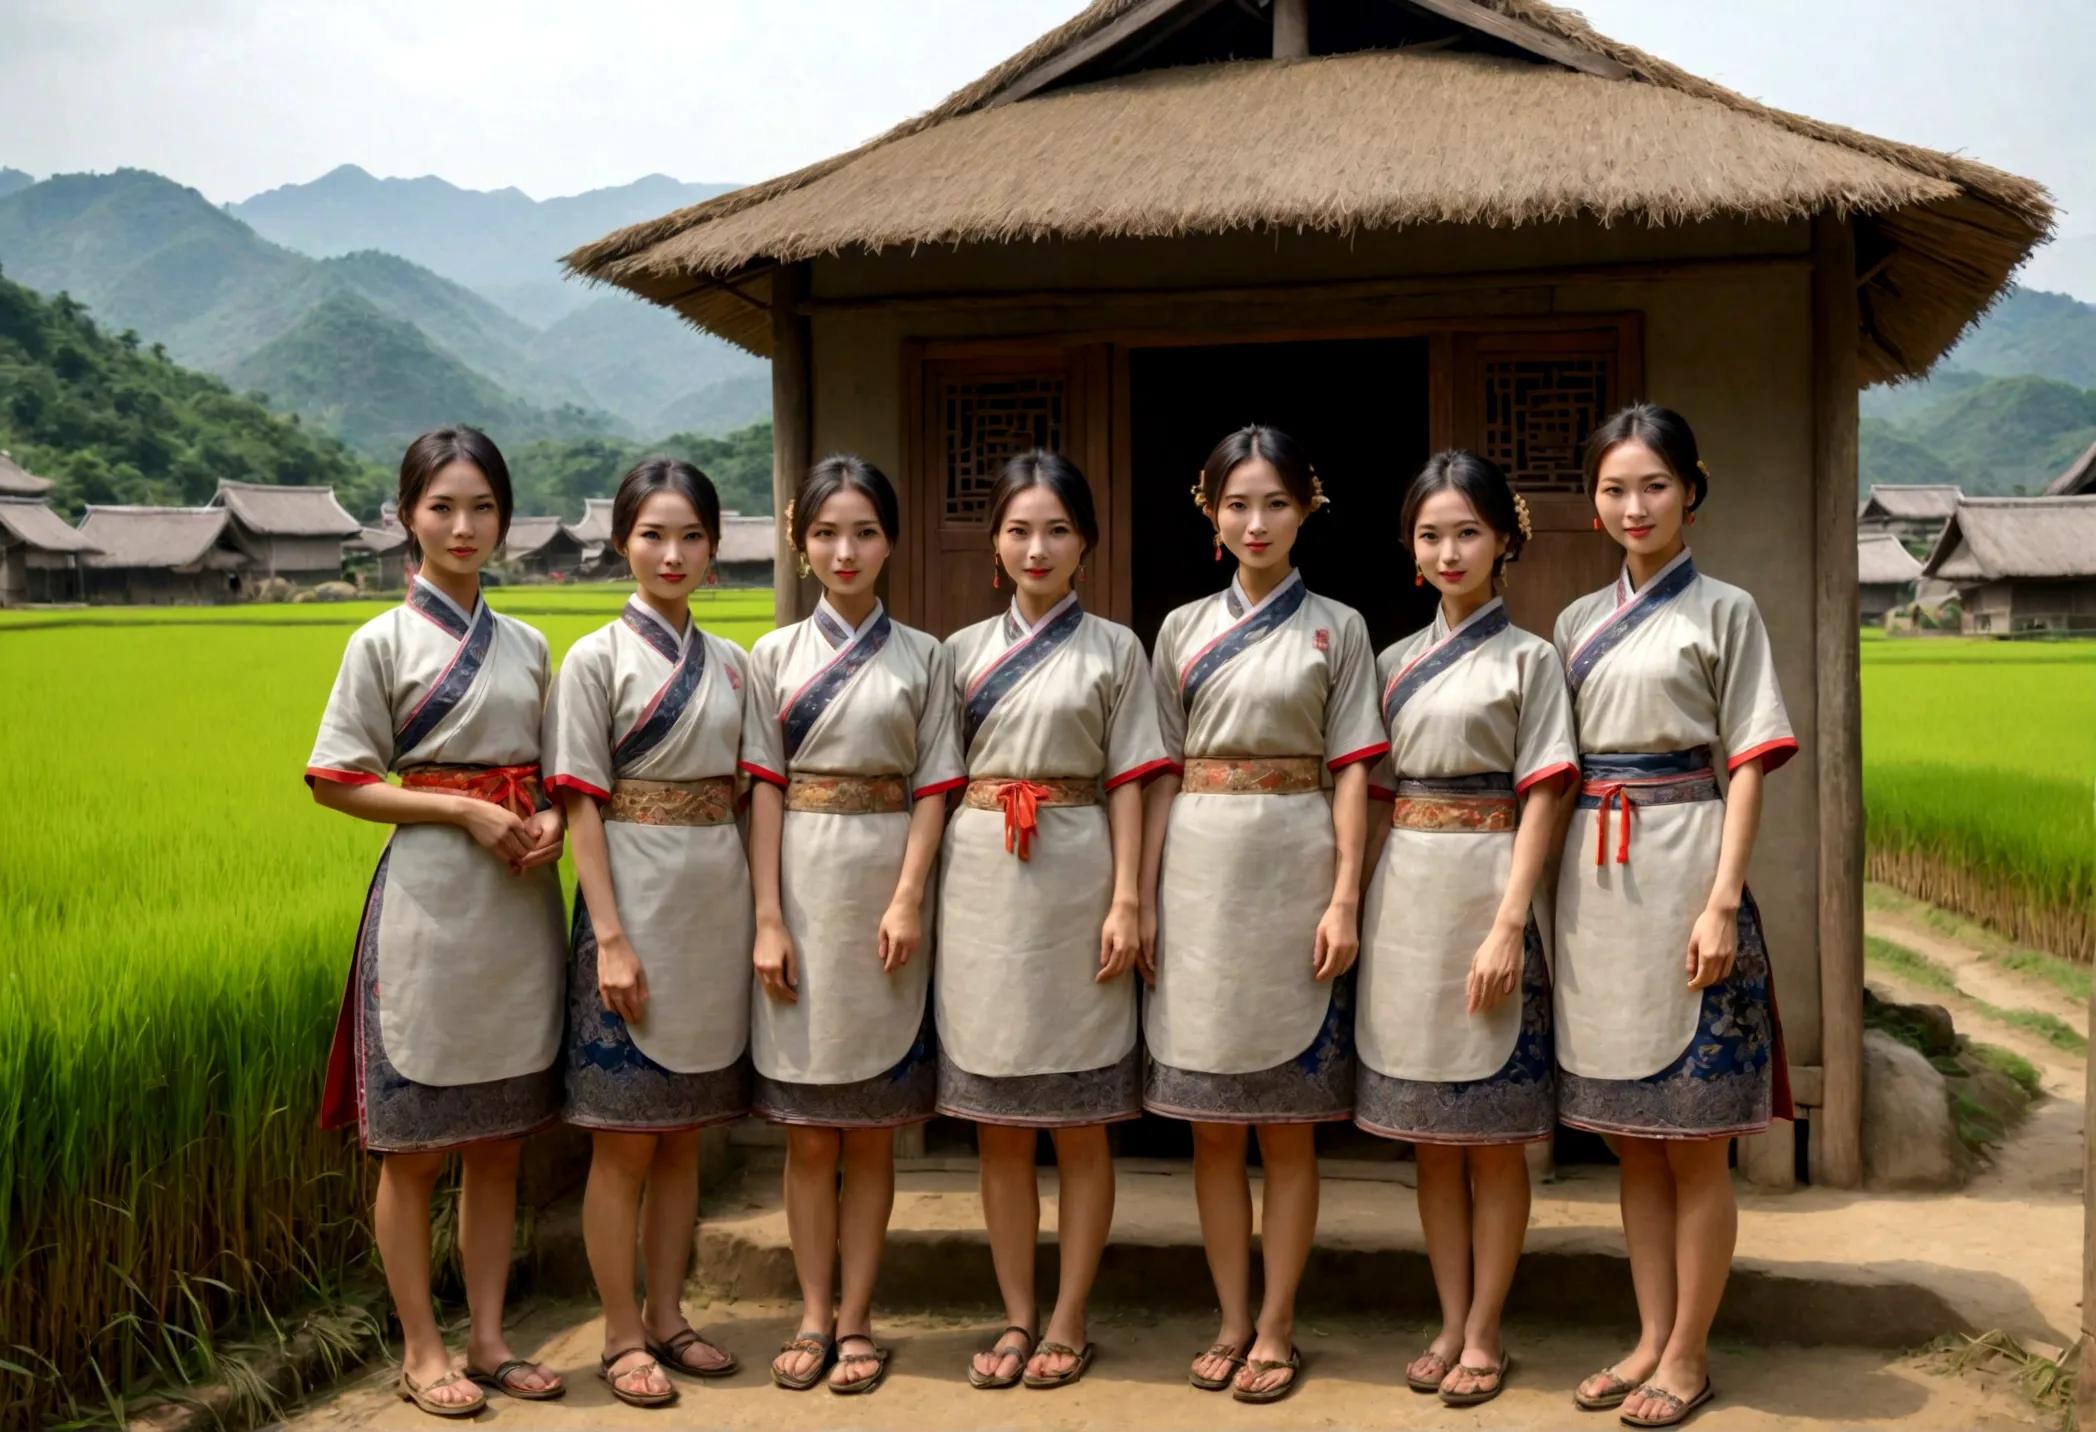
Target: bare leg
669 1225
1706 1226
1011 1196
1498 1225
868 1197
1287 1227
1444 1216
487 1231
1648 1233
811 1224
619 1166
1083 1219
401 1218
1223 1193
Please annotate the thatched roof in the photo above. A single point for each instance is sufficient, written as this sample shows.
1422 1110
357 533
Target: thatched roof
2079 477
1379 138
286 511
529 536
594 530
747 539
18 481
1881 560
377 540
31 522
1910 501
176 537
1993 539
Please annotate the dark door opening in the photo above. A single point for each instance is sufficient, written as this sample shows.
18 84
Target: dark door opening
1358 405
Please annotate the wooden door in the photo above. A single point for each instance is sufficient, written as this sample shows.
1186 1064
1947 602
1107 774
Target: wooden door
976 407
1528 400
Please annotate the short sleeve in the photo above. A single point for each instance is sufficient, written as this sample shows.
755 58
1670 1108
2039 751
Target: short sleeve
1134 745
1353 723
763 753
1171 711
1382 776
355 744
1751 720
577 742
1545 743
939 765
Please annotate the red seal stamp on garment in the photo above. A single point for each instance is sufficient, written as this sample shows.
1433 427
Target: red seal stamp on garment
1323 640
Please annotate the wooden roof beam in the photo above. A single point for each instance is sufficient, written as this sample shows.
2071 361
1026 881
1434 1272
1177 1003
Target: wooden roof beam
1168 15
1523 36
1291 29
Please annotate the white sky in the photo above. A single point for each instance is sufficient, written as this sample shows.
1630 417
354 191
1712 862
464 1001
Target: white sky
235 96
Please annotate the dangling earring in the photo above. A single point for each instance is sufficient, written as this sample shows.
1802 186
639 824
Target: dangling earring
1418 575
1218 546
1691 519
1080 571
806 570
996 573
1597 524
713 576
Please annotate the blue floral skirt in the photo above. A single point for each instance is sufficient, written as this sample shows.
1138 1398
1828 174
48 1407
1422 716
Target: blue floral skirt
1106 1095
1315 1087
908 1093
1517 1105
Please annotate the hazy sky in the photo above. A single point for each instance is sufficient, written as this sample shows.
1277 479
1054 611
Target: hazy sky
234 96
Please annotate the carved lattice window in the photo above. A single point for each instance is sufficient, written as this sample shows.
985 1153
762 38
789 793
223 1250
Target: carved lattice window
985 421
1538 411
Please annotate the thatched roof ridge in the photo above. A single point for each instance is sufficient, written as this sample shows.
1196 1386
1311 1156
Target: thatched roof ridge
1883 560
1993 539
378 540
154 536
278 511
1916 501
594 530
18 481
38 526
747 539
2080 476
529 536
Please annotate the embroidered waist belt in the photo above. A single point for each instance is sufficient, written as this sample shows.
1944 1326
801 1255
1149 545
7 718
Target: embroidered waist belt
1019 800
1253 776
848 795
1481 804
689 803
1636 779
514 788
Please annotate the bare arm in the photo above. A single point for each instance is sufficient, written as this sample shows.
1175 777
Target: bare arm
773 955
1157 817
1339 931
1120 939
382 803
902 927
1714 944
1495 968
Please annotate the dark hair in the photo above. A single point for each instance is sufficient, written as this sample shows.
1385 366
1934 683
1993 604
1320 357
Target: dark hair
1041 468
664 474
834 474
1482 484
438 449
1255 440
1664 431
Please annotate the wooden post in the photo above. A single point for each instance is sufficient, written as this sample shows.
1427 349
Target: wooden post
2085 1384
792 426
1291 29
1837 1129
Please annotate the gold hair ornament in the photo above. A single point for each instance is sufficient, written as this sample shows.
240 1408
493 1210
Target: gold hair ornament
1317 492
1704 468
789 514
1200 491
1528 530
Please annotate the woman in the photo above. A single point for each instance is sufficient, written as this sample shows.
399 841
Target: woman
851 737
1455 993
645 726
1255 871
1666 1024
450 1024
1038 909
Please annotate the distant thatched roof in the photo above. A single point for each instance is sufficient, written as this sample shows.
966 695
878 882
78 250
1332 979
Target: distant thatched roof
1375 139
377 540
2080 476
1914 501
529 536
1881 560
176 537
747 539
594 530
1993 539
30 521
286 511
18 481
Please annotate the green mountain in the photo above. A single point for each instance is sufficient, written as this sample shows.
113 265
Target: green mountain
721 406
1994 436
643 358
112 421
13 179
556 476
2030 331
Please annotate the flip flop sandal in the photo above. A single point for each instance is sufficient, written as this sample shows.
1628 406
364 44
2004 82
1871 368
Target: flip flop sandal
409 1392
990 1382
1259 1366
1235 1356
1068 1375
1678 1410
670 1353
627 1395
878 1357
1612 1395
500 1381
825 1349
1421 1384
1482 1395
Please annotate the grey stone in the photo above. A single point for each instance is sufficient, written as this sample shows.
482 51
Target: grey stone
1910 1140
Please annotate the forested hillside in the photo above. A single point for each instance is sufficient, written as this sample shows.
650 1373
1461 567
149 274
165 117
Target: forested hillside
554 477
111 419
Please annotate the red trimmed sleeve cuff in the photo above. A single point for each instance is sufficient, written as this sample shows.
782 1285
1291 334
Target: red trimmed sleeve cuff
761 774
576 783
1366 753
1772 755
1562 768
342 778
940 788
1141 773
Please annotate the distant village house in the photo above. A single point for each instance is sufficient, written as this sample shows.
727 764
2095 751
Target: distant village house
1915 512
162 556
2079 479
1886 575
542 548
39 554
2021 564
291 532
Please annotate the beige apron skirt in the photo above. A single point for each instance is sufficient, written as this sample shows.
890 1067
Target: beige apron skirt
856 1049
1026 1034
682 885
1432 1072
1239 1029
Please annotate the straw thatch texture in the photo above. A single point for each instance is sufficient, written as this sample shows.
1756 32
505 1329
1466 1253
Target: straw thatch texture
277 511
529 535
174 537
377 540
2080 476
1993 539
18 481
1882 560
1337 144
594 530
35 525
1913 501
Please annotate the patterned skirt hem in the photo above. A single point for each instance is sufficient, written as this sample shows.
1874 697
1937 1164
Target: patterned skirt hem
1632 1131
1213 1116
772 1115
446 1146
1110 1094
1460 1141
1041 1121
681 1126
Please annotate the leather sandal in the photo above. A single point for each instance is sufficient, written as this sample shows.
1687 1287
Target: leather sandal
861 1385
1614 1391
1067 1375
990 1382
1433 1384
1259 1366
825 1349
409 1392
627 1395
1679 1409
1477 1397
503 1380
1233 1355
670 1353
